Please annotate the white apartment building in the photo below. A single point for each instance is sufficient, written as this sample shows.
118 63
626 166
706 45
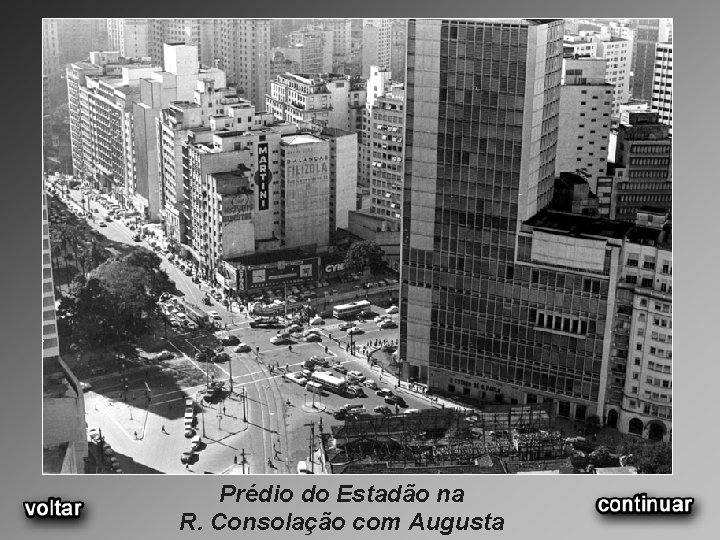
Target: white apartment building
584 128
662 89
618 53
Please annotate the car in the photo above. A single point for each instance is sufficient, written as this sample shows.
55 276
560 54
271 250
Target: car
102 224
370 384
387 323
340 369
182 316
187 455
316 320
295 328
340 414
354 408
174 322
411 411
191 325
367 314
357 375
395 400
230 339
356 390
85 386
190 432
382 409
384 392
354 331
392 310
214 315
188 272
312 338
164 355
380 318
280 340
137 238
242 347
221 357
297 378
311 331
320 361
346 325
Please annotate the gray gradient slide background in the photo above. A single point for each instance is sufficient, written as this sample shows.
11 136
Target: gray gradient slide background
533 506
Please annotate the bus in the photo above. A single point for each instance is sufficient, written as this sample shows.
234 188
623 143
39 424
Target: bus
331 383
351 310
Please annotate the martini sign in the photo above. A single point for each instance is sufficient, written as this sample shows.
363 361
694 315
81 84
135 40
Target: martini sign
263 177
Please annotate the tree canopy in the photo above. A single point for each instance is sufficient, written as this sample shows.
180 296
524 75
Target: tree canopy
649 457
117 300
364 254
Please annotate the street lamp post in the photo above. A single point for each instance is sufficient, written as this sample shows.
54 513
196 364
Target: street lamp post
244 402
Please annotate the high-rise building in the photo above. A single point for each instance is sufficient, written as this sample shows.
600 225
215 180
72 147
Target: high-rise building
343 175
65 444
639 397
584 129
327 100
376 45
131 37
51 54
101 94
398 38
500 299
314 47
618 54
647 34
77 37
661 101
643 166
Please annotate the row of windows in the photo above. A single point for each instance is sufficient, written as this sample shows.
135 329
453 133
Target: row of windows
561 323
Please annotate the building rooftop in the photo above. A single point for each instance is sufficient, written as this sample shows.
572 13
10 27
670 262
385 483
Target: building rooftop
303 138
649 236
579 225
232 182
270 257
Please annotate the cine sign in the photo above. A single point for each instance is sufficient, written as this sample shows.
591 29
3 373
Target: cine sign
263 177
330 268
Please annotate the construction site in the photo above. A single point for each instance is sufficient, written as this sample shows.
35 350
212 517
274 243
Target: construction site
498 440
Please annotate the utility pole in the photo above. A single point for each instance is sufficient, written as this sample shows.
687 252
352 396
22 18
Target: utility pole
231 378
244 401
243 460
312 444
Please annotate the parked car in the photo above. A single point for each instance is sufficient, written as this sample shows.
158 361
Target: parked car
387 323
297 378
242 347
174 322
355 390
355 330
316 320
311 331
384 392
391 310
137 238
370 384
214 315
382 409
312 338
295 328
102 224
346 325
357 375
230 339
187 456
340 369
191 325
164 355
221 357
395 400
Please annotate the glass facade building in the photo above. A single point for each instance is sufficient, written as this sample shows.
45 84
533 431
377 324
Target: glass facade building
488 306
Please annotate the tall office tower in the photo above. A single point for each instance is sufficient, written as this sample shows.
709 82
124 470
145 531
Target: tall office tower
647 33
343 175
618 54
501 299
663 83
314 47
51 54
131 37
643 166
342 41
77 37
172 31
665 33
398 37
65 444
639 397
376 45
584 130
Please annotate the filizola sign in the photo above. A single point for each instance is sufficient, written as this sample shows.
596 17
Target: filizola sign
330 268
263 177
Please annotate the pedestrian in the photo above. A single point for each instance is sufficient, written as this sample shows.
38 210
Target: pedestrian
235 459
224 410
187 466
135 435
287 367
163 430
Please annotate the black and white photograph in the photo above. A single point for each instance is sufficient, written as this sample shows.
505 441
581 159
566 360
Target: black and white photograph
344 246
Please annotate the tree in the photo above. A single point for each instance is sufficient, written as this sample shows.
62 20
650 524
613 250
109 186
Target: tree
649 457
363 254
